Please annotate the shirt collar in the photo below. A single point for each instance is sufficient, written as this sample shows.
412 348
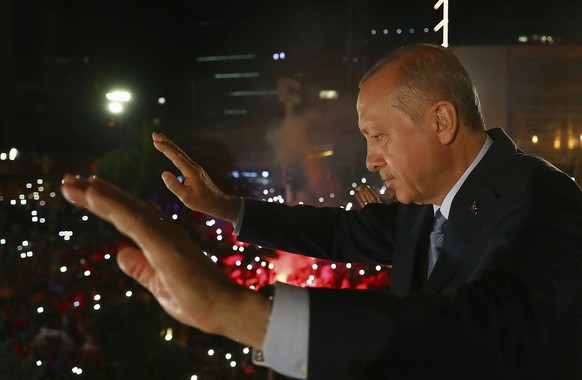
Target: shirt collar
447 202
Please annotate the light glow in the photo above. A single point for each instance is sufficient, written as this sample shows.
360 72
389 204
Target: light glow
115 107
13 154
118 96
328 94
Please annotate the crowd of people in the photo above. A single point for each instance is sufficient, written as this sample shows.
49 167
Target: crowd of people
67 311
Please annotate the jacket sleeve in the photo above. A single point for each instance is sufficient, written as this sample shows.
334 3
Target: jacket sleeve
366 235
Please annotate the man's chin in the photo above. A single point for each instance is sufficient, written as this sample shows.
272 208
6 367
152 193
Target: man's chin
406 202
402 198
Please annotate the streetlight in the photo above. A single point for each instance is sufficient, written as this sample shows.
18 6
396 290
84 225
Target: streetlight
117 100
119 96
115 107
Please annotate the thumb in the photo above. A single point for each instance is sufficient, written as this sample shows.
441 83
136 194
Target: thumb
175 186
133 263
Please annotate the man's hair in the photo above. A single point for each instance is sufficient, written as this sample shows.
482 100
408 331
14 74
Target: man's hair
428 73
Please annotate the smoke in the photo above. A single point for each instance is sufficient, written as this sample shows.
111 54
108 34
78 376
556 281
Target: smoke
299 153
290 141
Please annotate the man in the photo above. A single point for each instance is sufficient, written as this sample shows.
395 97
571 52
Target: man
501 298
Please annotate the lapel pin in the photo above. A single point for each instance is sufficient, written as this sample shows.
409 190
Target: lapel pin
474 208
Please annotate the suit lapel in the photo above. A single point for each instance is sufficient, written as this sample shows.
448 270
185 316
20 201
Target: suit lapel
468 218
472 210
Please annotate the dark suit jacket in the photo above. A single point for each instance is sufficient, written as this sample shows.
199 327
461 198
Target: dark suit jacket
505 297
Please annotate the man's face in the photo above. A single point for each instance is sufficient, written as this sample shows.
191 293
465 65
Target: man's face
405 153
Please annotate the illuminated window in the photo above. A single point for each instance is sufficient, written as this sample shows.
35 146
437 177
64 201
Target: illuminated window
235 75
235 112
253 93
328 94
234 57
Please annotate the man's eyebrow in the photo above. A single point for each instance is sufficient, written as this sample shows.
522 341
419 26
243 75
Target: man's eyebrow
363 131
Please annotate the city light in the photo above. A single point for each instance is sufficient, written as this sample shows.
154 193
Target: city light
328 94
278 56
12 155
77 370
444 23
117 99
118 96
115 107
168 334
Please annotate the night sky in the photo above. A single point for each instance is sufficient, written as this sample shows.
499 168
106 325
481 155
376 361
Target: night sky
157 38
150 46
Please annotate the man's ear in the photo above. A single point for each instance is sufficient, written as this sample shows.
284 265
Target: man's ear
446 121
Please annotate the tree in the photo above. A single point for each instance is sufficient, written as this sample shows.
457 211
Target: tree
138 170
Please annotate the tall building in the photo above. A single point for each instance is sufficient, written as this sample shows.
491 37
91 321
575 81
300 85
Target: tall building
287 104
535 93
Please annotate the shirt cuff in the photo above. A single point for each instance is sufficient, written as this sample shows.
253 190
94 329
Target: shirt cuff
241 214
286 345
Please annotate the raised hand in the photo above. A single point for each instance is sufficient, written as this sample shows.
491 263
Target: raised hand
198 192
172 266
365 195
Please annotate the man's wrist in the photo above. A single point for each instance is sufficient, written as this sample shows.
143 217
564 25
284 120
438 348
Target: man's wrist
243 316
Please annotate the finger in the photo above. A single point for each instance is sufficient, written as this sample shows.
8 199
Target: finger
173 152
365 190
360 199
368 195
175 186
133 263
165 145
73 189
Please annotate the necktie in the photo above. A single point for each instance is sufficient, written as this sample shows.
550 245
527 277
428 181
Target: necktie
436 240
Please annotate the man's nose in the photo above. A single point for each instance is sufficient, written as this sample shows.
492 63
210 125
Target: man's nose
374 160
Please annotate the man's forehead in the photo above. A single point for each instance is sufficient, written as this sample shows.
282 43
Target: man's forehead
388 72
374 93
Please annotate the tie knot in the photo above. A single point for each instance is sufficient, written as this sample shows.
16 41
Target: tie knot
439 222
